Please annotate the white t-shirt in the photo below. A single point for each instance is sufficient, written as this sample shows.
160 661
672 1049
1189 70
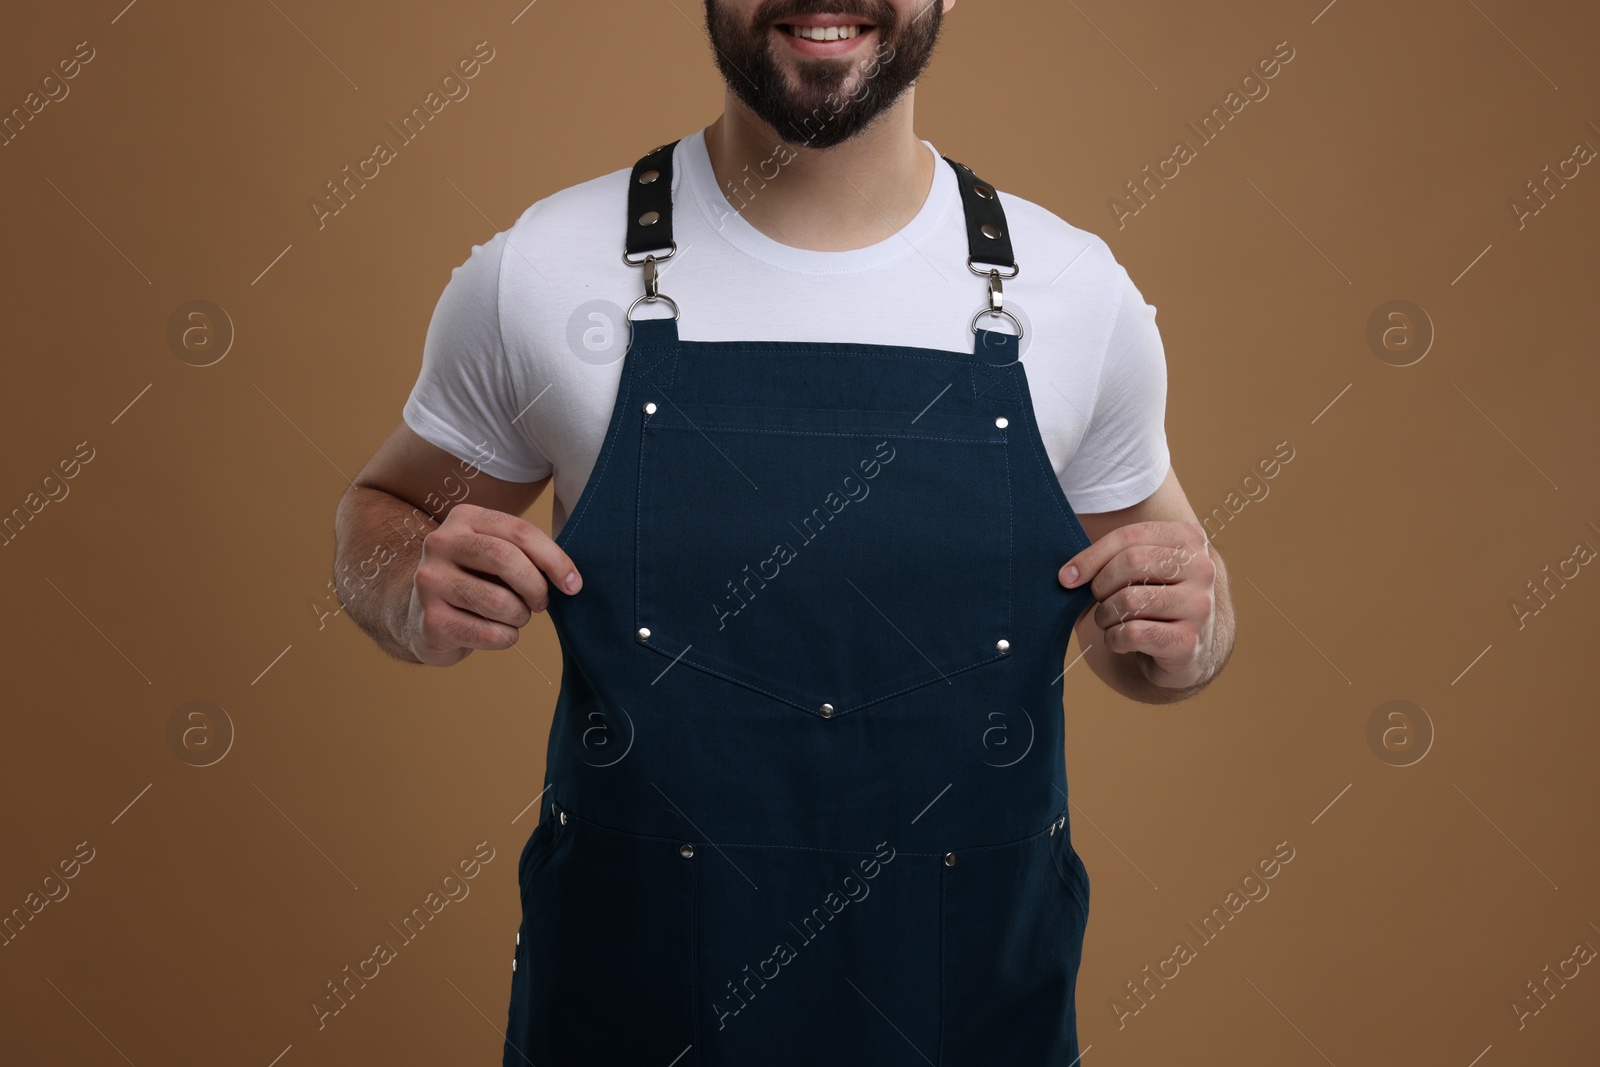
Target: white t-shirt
523 356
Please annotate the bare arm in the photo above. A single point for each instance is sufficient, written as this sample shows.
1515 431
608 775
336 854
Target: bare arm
432 558
1161 627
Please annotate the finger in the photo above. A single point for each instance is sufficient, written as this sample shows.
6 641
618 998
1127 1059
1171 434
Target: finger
485 596
1088 563
1159 640
534 543
1152 564
1158 603
497 559
446 629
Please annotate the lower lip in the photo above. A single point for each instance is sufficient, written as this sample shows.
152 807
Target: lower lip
807 47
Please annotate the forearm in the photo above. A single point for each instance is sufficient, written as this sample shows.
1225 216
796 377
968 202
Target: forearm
1124 672
377 545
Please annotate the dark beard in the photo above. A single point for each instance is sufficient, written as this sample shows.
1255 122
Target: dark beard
819 112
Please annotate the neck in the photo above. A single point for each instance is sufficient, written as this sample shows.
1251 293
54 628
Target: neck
826 200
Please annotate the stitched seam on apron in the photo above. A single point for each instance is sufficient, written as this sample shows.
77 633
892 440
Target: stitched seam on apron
943 880
1038 454
746 683
626 389
638 489
799 848
1009 395
842 433
1004 844
1011 533
694 955
786 349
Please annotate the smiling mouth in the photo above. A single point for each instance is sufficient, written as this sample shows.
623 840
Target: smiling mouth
825 33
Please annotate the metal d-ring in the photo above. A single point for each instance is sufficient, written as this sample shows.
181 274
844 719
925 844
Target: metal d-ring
994 311
640 299
651 292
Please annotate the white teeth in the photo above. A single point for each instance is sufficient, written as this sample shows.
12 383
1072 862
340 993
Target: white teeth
830 33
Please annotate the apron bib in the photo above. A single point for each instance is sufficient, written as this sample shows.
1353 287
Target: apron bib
806 798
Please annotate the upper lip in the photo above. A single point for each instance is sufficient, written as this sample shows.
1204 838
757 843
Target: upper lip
824 20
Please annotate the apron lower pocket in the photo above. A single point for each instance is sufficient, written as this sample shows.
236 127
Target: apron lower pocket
809 957
1013 925
604 972
533 854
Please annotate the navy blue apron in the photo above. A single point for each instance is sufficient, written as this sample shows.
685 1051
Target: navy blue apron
806 798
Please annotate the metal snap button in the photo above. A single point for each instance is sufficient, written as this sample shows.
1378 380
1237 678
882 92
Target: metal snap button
686 850
826 711
1052 829
1002 422
519 937
1002 646
644 633
513 964
949 859
649 176
650 218
563 818
989 230
649 407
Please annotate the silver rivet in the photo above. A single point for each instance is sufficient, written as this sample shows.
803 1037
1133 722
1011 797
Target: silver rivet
949 859
649 407
563 818
1052 829
686 850
649 176
989 230
1002 646
513 963
650 218
983 191
644 633
826 711
1002 422
1061 822
519 937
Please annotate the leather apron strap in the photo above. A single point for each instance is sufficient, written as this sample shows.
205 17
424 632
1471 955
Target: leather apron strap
650 228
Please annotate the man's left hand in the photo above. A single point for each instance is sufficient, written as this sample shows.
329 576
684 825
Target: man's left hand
1155 587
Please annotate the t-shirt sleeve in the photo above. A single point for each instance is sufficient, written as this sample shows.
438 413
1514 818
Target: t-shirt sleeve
465 399
1123 456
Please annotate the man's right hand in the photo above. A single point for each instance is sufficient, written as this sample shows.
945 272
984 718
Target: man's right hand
481 577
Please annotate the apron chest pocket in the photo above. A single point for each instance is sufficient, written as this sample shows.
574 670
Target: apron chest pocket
827 558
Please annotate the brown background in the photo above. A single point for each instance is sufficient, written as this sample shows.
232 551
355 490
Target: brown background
190 558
